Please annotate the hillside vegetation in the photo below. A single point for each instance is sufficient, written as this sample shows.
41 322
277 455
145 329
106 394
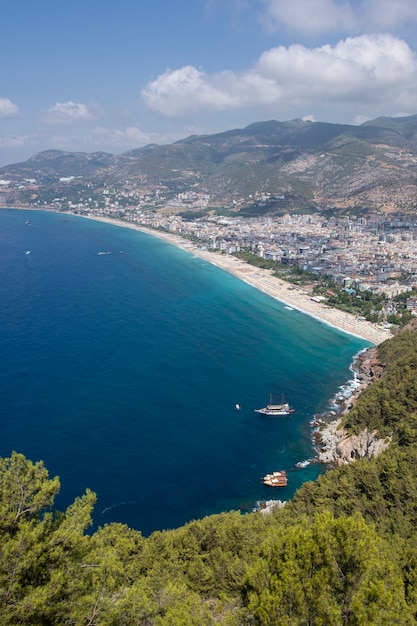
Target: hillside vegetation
300 165
343 551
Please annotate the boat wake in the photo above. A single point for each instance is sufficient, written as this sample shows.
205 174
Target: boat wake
117 504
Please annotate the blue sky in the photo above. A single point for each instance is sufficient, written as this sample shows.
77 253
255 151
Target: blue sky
112 76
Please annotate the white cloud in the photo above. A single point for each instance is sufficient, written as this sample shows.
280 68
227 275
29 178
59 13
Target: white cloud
388 14
15 148
188 89
353 68
309 17
365 69
7 108
12 141
132 136
118 140
321 16
66 113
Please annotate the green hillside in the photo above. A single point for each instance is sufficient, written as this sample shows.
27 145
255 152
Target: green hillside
343 551
333 165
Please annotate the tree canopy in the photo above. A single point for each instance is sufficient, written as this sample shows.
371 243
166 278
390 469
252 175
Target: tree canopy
343 551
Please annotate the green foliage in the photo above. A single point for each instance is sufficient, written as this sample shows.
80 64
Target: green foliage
330 572
366 303
256 261
25 491
389 405
343 551
382 489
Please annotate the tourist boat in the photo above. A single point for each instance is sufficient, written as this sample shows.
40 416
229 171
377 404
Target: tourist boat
276 479
276 409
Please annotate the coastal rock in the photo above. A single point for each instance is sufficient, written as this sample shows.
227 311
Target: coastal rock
366 444
338 448
269 505
334 445
368 367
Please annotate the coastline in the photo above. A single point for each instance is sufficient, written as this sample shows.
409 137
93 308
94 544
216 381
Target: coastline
327 434
286 293
333 444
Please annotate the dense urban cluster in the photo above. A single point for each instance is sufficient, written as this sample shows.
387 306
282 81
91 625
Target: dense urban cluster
375 255
367 252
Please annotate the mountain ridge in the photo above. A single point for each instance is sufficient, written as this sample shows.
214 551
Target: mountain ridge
372 167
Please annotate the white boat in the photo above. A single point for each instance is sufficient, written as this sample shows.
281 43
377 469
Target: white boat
276 409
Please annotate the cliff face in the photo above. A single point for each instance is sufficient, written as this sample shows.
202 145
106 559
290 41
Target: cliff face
335 445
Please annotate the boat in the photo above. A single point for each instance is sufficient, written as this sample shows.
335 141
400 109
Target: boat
237 407
276 479
276 409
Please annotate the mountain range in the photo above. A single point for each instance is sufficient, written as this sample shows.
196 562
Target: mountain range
309 164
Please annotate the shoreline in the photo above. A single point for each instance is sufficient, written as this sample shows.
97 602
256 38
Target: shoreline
325 436
286 293
335 446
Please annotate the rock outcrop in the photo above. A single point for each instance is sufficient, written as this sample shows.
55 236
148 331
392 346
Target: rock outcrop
337 447
334 445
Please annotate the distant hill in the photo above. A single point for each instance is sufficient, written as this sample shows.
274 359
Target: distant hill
372 166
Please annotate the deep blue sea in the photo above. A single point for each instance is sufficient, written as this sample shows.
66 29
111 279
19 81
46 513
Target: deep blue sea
121 372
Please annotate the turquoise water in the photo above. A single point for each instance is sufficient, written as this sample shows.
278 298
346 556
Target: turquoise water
122 371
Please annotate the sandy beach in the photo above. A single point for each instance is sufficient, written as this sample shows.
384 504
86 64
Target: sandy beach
290 295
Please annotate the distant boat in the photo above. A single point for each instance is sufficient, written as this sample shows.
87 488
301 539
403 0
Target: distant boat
237 407
26 252
276 409
276 479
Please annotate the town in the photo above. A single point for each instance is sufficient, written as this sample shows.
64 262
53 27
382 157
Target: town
364 262
367 266
364 266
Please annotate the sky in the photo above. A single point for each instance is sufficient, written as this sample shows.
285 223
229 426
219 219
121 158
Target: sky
113 76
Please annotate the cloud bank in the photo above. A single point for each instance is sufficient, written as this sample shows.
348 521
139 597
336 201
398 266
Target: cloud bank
66 113
7 108
364 69
327 16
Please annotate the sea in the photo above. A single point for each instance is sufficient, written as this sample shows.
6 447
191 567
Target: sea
133 368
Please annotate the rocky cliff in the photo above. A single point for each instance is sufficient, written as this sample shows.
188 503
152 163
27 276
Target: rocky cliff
334 445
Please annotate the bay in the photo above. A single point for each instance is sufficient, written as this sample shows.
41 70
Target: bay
122 370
